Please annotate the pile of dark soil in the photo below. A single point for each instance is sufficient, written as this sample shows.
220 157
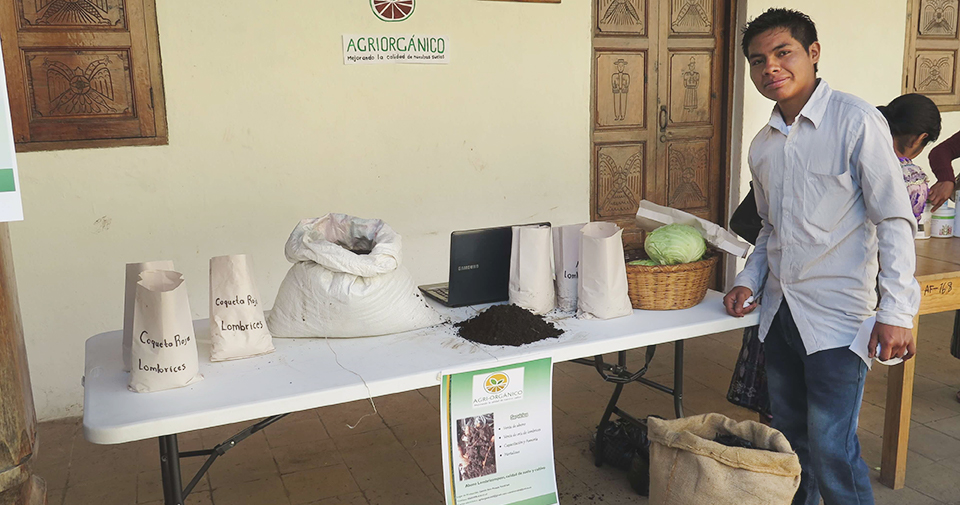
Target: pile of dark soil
735 441
506 325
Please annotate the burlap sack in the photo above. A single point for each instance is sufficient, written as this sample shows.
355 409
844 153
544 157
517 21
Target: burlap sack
688 468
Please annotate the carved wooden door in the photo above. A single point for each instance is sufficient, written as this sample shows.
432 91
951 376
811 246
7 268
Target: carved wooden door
81 72
659 74
930 59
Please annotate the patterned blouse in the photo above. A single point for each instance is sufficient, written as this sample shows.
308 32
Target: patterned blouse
916 182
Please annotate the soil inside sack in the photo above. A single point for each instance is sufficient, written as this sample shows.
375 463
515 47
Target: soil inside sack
506 325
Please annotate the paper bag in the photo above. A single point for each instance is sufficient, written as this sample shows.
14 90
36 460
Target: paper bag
651 216
164 345
531 270
237 326
566 259
603 273
129 295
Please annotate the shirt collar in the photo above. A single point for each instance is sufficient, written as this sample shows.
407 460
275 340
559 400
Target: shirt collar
813 110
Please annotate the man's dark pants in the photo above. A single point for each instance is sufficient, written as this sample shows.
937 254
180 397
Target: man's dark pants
815 401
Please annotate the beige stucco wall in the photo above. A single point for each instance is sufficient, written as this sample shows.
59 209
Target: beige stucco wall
268 126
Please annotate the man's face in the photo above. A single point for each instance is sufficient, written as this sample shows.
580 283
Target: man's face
780 68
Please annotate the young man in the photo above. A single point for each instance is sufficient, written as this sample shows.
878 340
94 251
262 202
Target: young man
831 195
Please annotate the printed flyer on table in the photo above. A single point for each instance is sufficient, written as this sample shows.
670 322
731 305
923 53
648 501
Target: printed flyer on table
498 435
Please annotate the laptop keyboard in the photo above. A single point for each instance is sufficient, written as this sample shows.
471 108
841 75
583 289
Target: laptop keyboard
442 293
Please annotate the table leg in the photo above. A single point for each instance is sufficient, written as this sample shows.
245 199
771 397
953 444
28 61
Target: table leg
955 340
170 470
678 378
611 407
896 426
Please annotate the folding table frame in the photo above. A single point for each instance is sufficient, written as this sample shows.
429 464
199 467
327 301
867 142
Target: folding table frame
619 375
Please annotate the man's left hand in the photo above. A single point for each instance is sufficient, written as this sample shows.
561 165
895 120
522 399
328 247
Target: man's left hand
939 193
895 342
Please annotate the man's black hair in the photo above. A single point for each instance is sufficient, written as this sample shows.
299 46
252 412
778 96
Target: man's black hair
911 115
800 25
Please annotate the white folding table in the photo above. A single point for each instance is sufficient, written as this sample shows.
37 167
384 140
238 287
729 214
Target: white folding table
309 373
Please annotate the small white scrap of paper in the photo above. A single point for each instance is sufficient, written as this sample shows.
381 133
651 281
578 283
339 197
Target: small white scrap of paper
862 340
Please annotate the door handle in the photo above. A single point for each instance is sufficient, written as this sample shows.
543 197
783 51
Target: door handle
663 118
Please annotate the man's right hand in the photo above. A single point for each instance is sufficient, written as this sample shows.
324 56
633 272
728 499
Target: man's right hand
735 299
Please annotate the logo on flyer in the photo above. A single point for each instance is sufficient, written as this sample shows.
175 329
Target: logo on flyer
498 387
496 382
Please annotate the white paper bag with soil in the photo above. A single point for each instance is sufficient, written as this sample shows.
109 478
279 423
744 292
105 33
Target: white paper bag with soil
566 259
238 328
346 281
531 269
164 344
603 273
129 298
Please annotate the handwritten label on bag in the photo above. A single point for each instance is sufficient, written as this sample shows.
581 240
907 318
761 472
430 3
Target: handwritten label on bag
160 344
160 369
249 300
177 341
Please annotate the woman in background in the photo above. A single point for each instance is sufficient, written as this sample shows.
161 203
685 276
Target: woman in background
914 122
941 158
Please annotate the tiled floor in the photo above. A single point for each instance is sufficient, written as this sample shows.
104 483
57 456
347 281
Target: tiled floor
391 458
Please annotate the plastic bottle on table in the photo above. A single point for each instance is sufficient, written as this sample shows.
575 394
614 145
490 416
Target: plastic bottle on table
942 221
923 227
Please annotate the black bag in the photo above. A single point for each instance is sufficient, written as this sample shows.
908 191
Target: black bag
621 439
748 386
626 446
745 221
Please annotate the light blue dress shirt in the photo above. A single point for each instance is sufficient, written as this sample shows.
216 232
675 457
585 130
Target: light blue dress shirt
831 195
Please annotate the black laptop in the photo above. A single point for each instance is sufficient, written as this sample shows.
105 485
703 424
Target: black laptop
479 268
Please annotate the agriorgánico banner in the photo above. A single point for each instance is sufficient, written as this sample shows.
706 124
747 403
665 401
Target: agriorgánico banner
497 435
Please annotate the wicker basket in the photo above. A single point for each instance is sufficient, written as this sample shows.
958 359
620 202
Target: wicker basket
670 287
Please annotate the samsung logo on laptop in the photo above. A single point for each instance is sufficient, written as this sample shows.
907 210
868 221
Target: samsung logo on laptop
474 266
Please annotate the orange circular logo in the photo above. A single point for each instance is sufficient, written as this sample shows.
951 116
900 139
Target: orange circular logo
496 382
392 10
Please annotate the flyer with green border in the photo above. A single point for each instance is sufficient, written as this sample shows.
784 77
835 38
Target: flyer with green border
497 435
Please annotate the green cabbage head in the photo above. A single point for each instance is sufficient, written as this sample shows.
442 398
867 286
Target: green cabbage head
674 244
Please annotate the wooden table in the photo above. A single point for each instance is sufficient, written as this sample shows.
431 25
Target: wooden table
938 272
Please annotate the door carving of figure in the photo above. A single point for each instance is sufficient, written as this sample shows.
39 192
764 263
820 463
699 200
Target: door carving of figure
660 72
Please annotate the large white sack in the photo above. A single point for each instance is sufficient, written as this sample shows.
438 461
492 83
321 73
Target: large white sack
333 292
